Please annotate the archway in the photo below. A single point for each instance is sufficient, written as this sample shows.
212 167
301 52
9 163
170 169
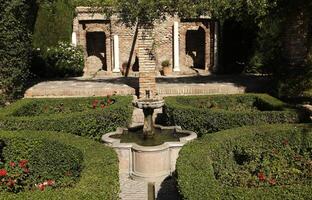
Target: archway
96 46
195 47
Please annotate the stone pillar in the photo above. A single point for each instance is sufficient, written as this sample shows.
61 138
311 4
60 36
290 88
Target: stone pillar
74 39
116 54
215 46
176 49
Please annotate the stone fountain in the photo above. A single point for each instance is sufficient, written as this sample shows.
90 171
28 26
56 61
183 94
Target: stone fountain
138 161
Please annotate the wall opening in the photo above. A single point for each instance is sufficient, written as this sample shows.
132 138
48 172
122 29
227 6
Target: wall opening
195 48
96 46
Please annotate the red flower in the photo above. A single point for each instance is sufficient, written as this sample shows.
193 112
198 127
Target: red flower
94 103
22 163
26 170
50 182
102 106
272 181
41 186
11 183
3 172
285 142
12 164
261 176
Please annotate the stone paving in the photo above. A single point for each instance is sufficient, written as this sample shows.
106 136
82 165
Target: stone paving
138 190
132 189
166 86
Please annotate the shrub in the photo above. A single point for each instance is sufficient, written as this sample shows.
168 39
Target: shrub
63 60
87 122
98 178
207 114
17 18
165 63
46 160
53 23
258 162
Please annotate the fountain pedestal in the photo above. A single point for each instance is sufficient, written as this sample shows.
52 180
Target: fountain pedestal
148 106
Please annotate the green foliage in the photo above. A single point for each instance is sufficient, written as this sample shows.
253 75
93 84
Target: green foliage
165 63
142 11
48 160
88 122
292 82
64 60
53 24
226 164
207 114
16 19
99 175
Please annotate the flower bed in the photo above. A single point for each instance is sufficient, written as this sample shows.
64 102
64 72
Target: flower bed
97 179
207 114
263 162
91 117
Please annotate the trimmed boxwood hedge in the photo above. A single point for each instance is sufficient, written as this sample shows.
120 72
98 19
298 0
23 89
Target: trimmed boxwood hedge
98 179
192 113
92 123
47 159
199 160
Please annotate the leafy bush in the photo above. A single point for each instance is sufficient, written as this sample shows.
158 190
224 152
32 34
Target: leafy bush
99 175
17 18
258 162
46 160
207 114
53 23
84 122
63 60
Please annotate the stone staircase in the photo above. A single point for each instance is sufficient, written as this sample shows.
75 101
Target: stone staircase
146 62
145 53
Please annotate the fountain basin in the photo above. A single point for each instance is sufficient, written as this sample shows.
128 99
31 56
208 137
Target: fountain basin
153 103
149 163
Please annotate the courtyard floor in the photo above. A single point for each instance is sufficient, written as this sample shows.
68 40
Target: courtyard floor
166 86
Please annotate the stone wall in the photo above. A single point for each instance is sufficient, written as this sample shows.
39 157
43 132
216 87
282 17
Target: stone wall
90 21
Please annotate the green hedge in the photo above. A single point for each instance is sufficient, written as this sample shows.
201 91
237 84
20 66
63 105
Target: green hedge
16 25
92 123
201 162
47 159
98 179
207 114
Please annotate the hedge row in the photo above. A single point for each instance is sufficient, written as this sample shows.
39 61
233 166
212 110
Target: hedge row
16 25
98 179
201 161
47 159
186 112
90 123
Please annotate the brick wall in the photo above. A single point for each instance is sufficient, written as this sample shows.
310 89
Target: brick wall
128 43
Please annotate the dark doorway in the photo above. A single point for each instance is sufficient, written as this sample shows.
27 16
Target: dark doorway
195 47
96 46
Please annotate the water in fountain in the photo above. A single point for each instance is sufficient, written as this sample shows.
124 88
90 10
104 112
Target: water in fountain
149 135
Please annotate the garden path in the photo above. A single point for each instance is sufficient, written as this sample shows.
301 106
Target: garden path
166 86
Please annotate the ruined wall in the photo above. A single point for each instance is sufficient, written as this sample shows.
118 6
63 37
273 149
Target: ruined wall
162 36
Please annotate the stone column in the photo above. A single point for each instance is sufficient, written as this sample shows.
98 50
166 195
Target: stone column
176 49
116 54
215 46
74 39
